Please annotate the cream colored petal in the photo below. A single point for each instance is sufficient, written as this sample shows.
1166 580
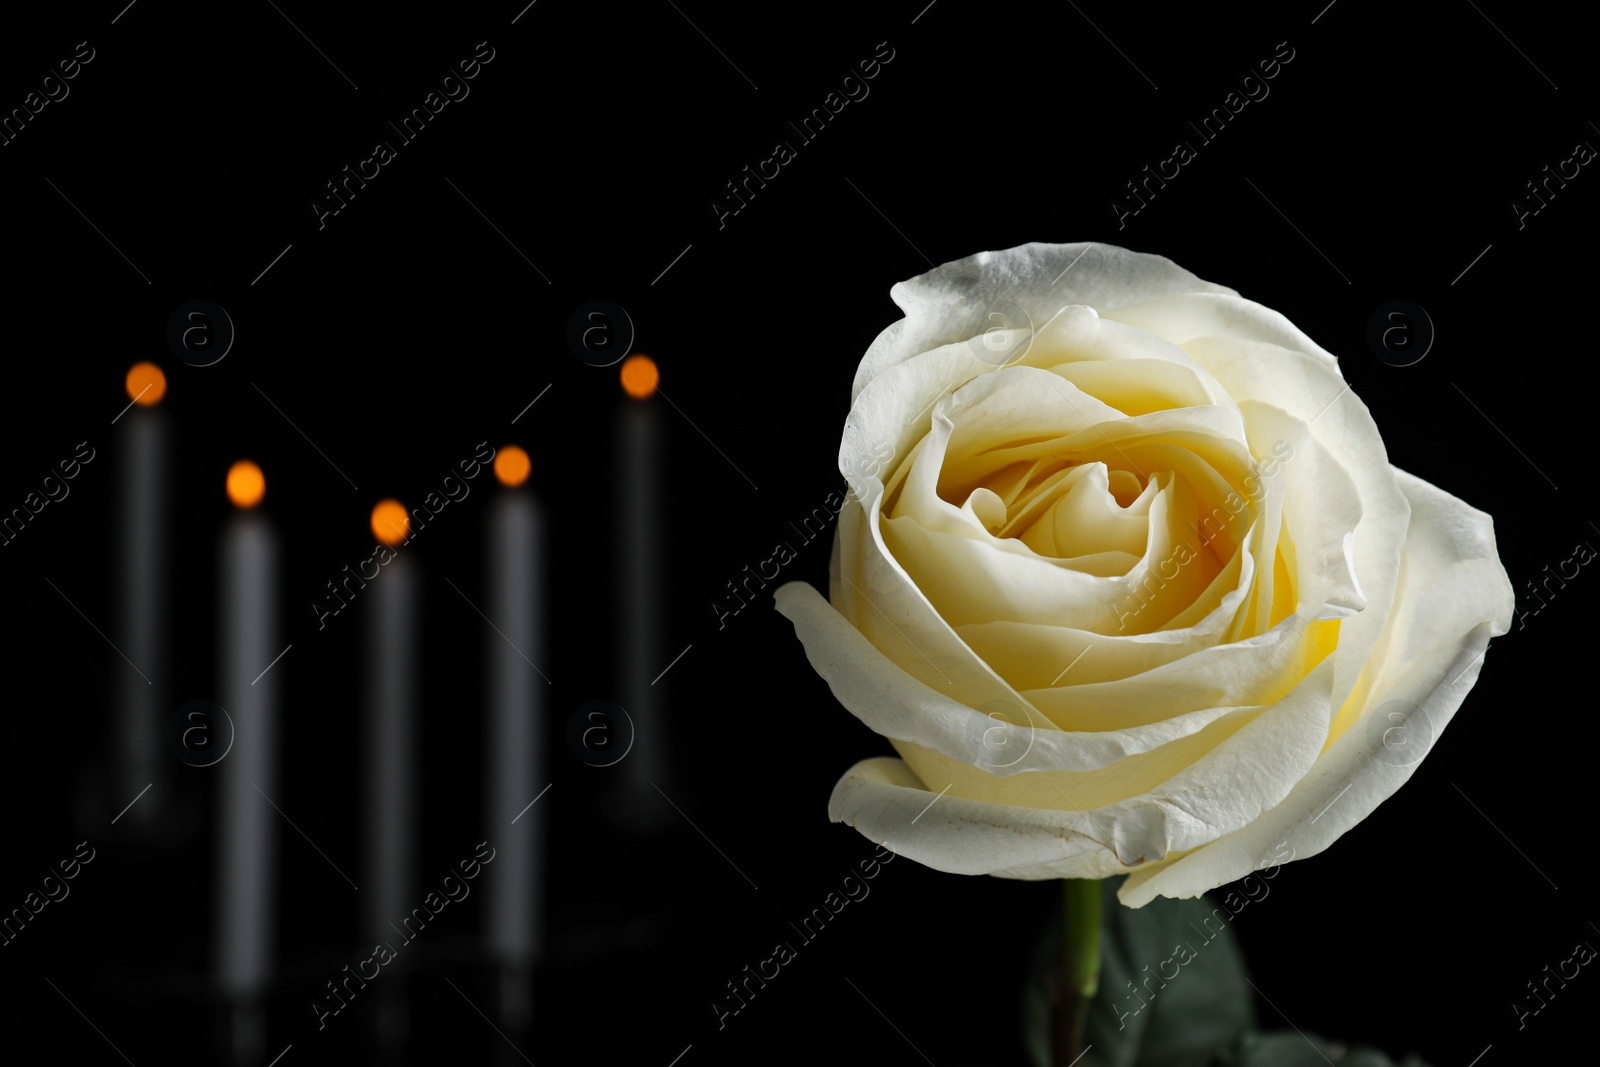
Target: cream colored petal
868 586
1019 288
1311 390
1016 404
1139 385
890 415
1321 510
1084 517
1139 368
1257 670
1227 317
1453 596
1104 657
967 580
1003 735
886 802
1221 791
896 618
1205 445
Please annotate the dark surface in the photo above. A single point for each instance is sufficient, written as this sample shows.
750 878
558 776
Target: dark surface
408 329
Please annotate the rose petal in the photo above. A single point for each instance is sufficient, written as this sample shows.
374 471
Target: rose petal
1454 596
1257 670
1307 387
1225 789
883 800
1019 287
895 704
1321 511
1226 317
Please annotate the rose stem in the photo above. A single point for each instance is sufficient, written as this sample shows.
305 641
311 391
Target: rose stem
1078 975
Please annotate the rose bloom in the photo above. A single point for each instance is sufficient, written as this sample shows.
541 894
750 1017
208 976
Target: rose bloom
1138 589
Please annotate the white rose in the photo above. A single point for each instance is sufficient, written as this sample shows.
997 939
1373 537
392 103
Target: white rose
1139 589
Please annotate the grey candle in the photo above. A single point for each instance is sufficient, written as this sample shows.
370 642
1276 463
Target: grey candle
639 532
141 596
516 758
247 825
389 731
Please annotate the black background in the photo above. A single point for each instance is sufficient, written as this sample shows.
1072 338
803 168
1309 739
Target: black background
408 329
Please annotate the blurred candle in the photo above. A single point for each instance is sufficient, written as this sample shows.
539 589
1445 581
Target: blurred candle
639 453
141 596
389 831
516 759
247 825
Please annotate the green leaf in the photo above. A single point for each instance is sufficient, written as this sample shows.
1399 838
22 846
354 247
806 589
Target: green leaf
1189 1003
1172 987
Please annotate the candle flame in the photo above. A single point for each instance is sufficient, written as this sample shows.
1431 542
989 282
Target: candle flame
639 376
246 484
390 521
146 384
511 465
